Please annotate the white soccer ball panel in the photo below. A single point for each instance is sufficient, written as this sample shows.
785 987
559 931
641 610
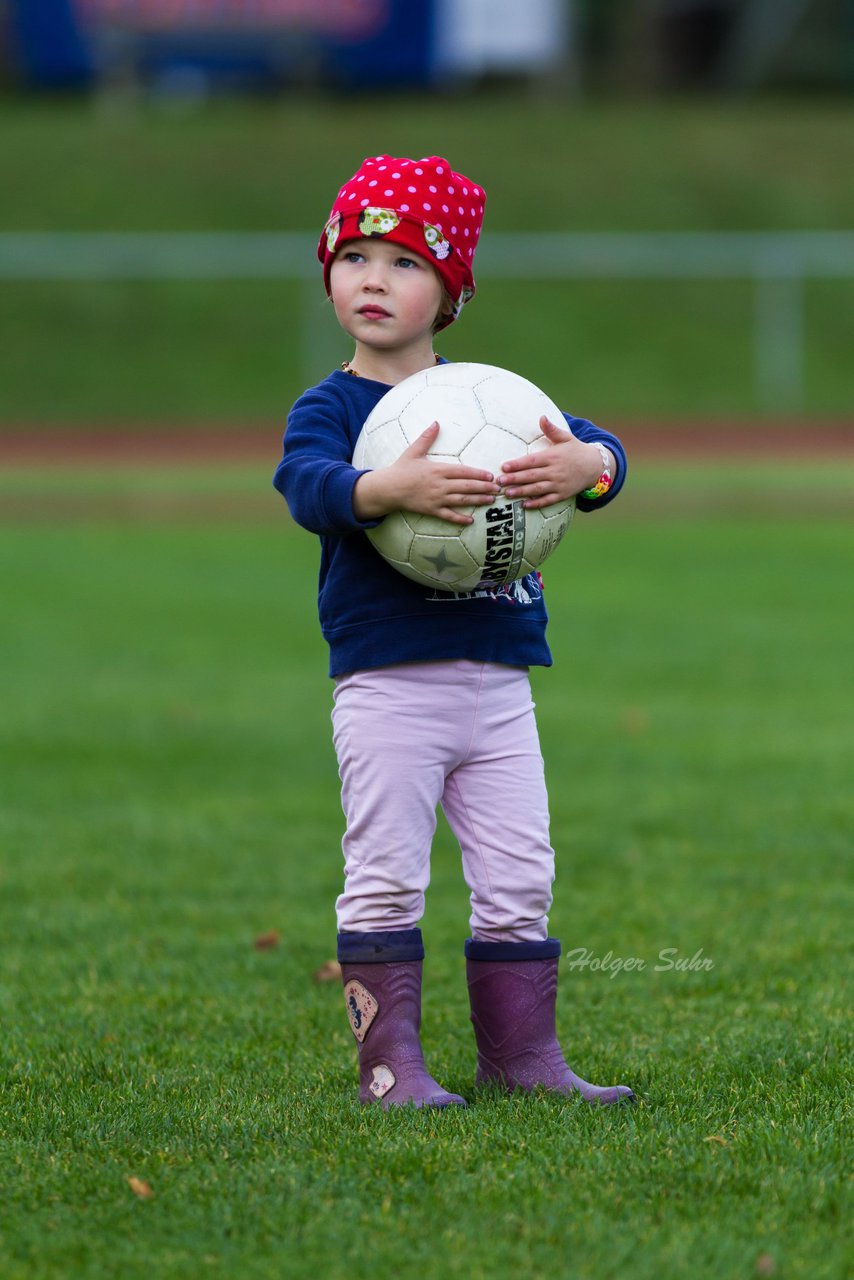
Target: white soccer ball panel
444 457
516 406
393 538
461 373
434 526
452 408
444 558
491 448
380 445
546 538
443 563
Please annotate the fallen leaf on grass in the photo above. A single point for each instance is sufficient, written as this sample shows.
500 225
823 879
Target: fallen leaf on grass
266 941
765 1265
329 971
140 1188
634 720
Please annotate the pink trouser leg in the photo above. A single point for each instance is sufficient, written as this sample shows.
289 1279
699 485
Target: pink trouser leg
496 805
459 734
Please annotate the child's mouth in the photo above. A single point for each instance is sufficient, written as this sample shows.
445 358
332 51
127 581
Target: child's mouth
374 313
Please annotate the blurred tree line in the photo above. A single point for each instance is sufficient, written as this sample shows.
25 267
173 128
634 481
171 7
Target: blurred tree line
715 45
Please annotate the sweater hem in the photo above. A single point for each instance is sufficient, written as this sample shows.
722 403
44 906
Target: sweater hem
385 644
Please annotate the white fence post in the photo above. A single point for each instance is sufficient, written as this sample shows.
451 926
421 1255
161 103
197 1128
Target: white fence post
779 341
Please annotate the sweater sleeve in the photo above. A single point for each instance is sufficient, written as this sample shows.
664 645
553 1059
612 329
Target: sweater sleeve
316 476
590 434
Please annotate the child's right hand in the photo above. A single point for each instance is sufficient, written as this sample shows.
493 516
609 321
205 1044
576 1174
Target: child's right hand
418 483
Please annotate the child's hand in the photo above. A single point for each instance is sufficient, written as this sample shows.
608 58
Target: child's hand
418 483
558 472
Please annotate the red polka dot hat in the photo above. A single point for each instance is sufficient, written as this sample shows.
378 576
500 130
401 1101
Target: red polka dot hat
420 204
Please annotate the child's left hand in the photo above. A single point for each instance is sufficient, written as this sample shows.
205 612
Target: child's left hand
558 472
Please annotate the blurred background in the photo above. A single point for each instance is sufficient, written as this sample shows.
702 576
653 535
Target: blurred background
668 233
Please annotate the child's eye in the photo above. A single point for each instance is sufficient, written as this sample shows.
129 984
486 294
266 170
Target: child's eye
353 256
406 262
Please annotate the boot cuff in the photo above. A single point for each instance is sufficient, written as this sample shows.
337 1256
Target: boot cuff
548 949
380 947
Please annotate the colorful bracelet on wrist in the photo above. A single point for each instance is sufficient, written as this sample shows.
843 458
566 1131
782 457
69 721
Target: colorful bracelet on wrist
603 484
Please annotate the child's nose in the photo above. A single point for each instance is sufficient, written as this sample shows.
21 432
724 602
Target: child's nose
376 277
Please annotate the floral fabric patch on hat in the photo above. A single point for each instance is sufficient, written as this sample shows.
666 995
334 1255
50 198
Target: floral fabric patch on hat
466 295
436 242
378 222
333 230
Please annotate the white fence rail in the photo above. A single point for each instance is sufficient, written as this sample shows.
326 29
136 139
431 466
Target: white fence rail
777 262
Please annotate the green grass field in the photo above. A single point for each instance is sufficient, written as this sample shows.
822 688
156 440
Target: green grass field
168 789
196 352
169 793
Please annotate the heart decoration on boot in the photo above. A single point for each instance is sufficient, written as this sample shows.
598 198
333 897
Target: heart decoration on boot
382 992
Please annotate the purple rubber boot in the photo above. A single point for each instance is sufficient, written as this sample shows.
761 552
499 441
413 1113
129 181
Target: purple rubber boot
513 990
382 992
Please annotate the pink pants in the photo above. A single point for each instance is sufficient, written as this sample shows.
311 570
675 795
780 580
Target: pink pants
461 734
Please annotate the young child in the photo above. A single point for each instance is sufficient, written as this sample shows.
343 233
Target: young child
432 702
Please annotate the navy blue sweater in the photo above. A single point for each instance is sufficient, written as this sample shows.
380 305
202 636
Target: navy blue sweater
370 614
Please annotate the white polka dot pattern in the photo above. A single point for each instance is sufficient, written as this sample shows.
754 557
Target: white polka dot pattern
432 167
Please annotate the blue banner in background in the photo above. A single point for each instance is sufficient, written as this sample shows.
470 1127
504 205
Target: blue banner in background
398 52
223 44
51 45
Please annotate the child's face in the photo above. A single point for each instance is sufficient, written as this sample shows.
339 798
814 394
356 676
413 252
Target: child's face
385 296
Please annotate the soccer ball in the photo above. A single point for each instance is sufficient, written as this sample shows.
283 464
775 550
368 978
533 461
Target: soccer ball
486 416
